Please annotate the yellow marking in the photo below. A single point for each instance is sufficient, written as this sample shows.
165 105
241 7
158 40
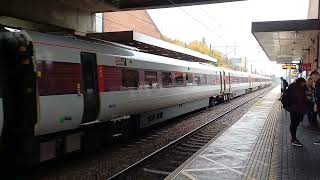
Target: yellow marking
39 74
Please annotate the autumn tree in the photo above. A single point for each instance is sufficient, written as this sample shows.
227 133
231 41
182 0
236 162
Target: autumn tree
174 41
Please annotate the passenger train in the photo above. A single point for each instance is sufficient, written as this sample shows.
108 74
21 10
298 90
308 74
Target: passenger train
62 94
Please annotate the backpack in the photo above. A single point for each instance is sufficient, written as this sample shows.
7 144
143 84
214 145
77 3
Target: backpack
285 99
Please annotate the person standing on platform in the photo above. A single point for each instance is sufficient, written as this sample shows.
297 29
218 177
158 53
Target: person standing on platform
295 101
310 90
315 75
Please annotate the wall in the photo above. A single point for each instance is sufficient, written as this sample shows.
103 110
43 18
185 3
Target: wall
138 21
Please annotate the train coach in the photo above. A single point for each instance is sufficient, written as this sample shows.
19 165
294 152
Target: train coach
64 94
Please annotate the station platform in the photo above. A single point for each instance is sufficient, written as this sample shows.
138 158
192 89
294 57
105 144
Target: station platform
257 146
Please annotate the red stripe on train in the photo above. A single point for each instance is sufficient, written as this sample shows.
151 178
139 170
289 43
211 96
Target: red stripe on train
58 78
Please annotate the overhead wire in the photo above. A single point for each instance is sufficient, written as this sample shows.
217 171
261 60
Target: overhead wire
198 21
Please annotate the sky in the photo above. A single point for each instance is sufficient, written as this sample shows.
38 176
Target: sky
227 26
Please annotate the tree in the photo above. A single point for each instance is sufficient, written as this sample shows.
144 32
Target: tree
174 41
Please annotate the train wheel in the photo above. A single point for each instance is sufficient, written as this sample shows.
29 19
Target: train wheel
212 101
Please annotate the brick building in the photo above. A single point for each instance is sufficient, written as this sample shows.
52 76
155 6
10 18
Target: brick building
137 21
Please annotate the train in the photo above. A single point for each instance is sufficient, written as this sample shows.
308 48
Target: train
62 94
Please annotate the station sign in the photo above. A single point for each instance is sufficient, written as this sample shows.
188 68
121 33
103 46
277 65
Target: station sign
306 67
289 66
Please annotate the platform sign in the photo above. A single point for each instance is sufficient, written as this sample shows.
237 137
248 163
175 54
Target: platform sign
306 67
289 66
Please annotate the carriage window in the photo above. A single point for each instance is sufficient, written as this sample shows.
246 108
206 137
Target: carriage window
189 79
130 79
203 79
150 79
197 80
166 79
210 79
179 79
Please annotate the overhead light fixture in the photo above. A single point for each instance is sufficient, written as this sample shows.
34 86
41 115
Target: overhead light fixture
295 62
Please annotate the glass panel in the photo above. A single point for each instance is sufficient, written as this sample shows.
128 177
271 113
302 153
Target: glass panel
166 79
179 79
150 79
210 79
197 79
189 79
203 79
130 79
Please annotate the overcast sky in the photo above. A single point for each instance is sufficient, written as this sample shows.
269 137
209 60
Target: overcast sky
229 24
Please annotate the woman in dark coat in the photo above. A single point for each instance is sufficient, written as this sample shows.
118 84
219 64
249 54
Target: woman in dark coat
297 107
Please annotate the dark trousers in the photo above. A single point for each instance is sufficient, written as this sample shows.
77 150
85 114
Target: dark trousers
312 116
296 118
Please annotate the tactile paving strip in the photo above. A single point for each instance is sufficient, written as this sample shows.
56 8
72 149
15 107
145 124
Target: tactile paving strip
290 162
258 165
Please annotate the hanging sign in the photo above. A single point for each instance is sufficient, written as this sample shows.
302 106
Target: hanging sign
306 67
289 66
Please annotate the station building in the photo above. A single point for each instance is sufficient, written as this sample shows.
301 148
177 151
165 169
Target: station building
138 21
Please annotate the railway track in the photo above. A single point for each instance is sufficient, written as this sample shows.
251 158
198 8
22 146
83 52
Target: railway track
165 160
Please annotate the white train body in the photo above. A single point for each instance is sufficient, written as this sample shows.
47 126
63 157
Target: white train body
79 83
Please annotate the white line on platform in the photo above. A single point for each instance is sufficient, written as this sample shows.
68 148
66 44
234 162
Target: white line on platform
189 176
156 171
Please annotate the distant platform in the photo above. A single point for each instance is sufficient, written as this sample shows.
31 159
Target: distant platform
257 147
153 46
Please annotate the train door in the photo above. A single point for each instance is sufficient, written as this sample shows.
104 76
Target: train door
89 86
229 80
224 82
221 83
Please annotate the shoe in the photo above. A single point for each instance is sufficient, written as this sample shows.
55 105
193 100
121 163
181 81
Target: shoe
297 143
317 143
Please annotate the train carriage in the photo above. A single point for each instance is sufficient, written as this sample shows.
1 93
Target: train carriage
65 94
237 83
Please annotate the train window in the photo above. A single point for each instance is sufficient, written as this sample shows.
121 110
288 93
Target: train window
150 79
210 79
189 79
197 79
179 79
130 79
203 79
166 79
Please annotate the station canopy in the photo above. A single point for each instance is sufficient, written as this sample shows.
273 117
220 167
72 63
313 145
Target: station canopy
286 41
153 46
116 5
